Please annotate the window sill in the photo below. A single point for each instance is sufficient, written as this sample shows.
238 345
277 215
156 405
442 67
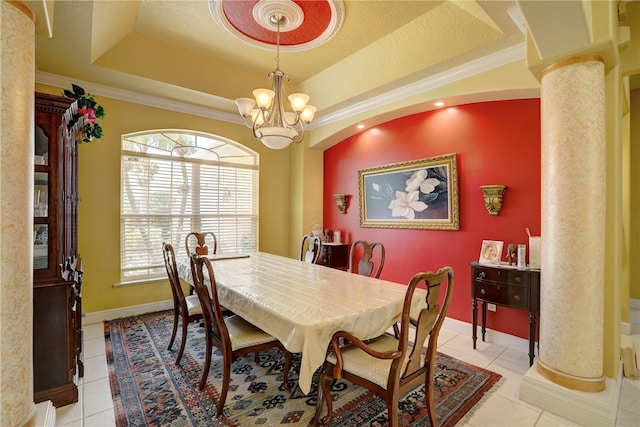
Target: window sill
140 282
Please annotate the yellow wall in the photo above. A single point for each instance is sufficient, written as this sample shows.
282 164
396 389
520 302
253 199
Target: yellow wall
613 280
634 189
99 191
306 193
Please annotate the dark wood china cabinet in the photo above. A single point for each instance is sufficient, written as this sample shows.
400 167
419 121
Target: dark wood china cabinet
57 271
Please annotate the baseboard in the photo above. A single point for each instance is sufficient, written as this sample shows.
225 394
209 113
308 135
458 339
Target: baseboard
45 415
634 303
494 337
583 408
133 310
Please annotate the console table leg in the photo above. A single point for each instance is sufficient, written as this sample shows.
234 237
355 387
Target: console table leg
474 321
484 319
532 336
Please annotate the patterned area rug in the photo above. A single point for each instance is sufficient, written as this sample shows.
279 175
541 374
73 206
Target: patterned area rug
150 390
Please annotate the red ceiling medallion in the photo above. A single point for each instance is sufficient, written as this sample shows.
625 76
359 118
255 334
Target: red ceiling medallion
309 23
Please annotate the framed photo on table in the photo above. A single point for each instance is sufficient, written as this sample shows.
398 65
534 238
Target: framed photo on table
420 194
491 252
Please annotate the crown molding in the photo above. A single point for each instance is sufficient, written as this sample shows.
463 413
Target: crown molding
471 68
486 63
148 100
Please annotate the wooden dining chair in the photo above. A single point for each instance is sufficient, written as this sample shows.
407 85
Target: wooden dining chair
364 251
388 366
310 249
201 243
232 335
186 309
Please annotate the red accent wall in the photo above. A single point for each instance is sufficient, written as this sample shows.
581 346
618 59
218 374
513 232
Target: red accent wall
495 143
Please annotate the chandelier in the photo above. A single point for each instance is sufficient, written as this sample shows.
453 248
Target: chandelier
272 125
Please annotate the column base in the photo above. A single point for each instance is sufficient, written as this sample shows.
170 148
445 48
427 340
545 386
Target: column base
584 408
45 415
574 383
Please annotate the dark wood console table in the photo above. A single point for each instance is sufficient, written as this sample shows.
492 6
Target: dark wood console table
507 286
335 255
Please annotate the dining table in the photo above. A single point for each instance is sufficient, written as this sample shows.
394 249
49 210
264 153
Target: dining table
303 304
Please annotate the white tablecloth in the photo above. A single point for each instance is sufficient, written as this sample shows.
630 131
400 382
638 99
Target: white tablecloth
303 305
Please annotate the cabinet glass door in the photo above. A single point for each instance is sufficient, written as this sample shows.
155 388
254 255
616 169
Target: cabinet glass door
41 195
40 246
41 201
42 147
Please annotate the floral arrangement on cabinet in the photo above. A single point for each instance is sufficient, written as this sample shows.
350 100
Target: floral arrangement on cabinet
89 110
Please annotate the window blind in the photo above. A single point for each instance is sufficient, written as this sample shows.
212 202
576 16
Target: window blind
166 194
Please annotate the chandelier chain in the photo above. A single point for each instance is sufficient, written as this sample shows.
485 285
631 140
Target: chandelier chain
278 45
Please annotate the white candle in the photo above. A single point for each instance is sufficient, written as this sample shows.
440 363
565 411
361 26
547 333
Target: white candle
522 255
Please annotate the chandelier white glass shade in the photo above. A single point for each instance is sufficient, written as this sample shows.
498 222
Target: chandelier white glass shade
272 125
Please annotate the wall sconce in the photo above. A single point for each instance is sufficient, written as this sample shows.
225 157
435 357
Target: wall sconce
493 197
341 201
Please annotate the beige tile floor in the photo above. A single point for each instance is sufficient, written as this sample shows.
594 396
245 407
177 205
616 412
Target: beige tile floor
501 408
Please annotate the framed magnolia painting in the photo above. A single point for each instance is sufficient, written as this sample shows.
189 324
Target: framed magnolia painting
491 252
419 194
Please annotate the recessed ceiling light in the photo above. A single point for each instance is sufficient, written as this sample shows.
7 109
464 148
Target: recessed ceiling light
439 104
360 126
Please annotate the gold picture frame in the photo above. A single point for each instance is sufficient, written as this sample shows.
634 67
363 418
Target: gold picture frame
419 194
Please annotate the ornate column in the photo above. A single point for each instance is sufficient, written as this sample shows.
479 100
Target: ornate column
573 223
17 39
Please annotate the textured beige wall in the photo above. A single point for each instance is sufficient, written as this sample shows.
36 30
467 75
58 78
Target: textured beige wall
17 67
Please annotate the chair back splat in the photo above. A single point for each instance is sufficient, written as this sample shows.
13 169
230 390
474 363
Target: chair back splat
310 249
201 243
185 309
368 256
388 366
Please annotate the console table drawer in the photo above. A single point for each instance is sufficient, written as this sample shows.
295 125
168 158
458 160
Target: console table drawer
516 277
501 294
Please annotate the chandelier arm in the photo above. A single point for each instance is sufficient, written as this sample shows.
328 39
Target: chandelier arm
298 139
256 132
283 113
257 124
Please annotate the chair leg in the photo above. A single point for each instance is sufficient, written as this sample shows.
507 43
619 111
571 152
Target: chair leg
288 358
392 411
319 404
431 407
183 340
175 329
324 396
226 379
207 363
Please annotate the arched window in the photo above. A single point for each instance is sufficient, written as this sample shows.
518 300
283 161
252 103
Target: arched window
174 182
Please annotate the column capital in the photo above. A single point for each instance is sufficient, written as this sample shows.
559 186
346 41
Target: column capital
570 61
563 31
